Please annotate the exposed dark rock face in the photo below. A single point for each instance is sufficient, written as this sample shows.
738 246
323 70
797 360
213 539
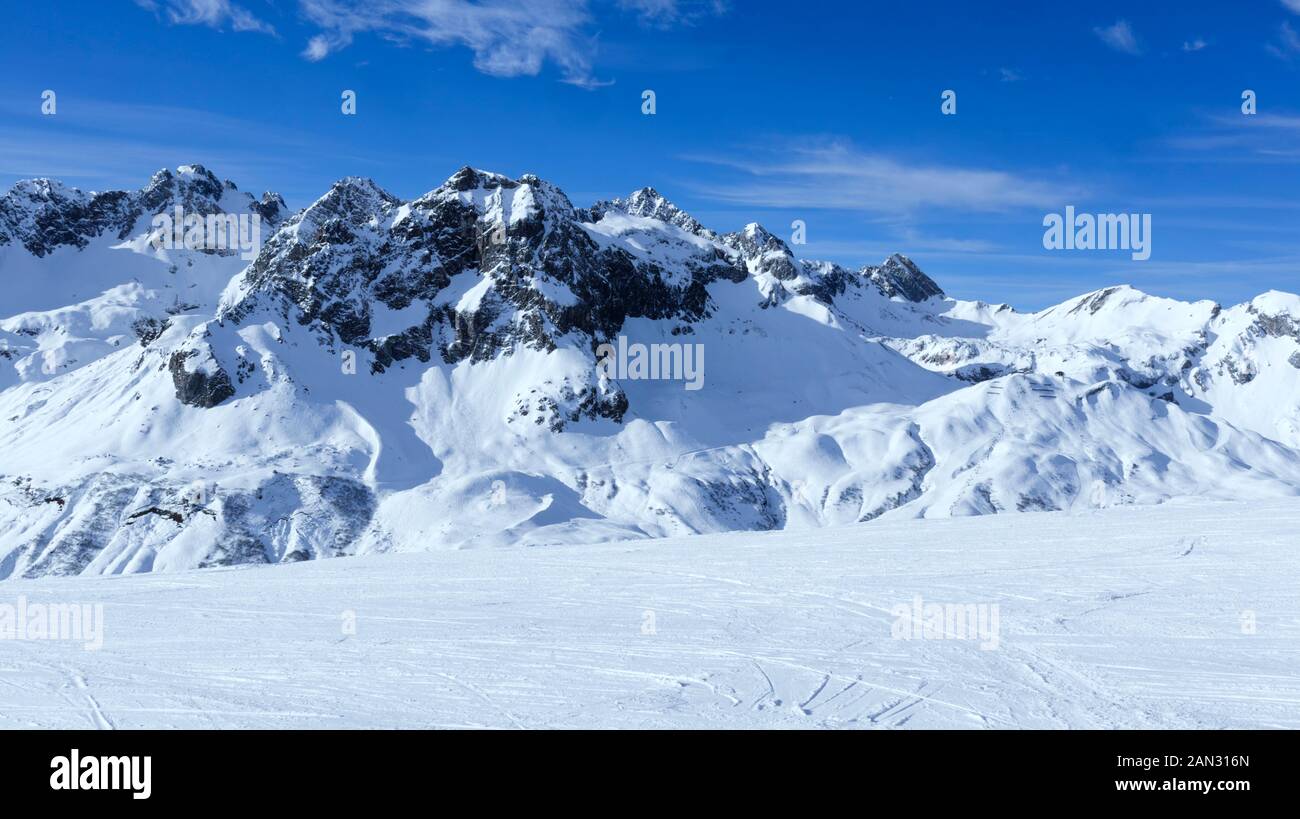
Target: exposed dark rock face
536 271
1241 372
828 281
764 253
1096 301
44 215
900 277
1138 380
648 203
1279 326
484 265
171 515
200 387
270 207
603 400
148 329
978 373
485 268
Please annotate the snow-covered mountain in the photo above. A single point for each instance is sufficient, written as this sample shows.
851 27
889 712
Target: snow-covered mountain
410 375
81 277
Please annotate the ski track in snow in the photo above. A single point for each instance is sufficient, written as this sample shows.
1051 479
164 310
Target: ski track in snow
1127 617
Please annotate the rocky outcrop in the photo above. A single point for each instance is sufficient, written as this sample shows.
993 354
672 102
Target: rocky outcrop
43 215
900 277
200 381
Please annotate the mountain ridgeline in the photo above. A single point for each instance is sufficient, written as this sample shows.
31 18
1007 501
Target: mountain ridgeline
393 375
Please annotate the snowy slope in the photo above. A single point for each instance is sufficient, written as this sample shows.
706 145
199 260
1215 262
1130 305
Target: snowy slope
394 375
1241 363
1123 618
82 278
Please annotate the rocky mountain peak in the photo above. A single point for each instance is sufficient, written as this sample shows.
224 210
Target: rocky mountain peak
899 276
271 207
763 252
353 199
448 345
649 203
468 179
44 215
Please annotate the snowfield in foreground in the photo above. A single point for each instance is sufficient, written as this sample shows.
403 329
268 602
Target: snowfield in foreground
1128 617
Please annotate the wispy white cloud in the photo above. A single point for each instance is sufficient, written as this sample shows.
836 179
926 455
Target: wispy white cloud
918 241
1274 121
1119 36
854 252
1009 75
836 175
215 13
673 12
1198 43
508 38
1292 5
1266 137
1287 44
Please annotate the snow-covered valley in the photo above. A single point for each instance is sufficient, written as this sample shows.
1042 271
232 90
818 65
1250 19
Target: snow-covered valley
1183 615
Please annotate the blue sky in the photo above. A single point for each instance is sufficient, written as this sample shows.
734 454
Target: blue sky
769 112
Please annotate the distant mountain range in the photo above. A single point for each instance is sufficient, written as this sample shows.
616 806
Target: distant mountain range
407 375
